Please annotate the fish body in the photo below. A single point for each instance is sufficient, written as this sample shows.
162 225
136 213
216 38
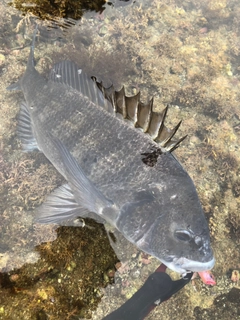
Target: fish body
114 171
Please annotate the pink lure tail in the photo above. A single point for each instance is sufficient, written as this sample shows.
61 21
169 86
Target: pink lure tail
207 278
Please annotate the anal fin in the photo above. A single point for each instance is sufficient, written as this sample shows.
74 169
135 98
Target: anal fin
24 129
68 73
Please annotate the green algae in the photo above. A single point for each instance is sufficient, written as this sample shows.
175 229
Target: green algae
52 286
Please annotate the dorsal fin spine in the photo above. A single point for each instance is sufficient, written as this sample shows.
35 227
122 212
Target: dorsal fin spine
132 110
142 116
173 131
161 128
121 103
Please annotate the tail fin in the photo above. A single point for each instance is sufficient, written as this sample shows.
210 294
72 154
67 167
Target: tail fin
30 64
31 61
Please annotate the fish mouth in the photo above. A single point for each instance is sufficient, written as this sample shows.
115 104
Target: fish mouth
183 265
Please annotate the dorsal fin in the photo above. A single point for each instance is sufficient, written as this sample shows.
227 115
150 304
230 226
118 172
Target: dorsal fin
142 116
131 108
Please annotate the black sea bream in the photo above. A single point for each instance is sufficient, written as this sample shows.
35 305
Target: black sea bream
115 154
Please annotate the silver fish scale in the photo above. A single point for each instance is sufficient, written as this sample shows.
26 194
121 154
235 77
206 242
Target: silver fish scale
116 148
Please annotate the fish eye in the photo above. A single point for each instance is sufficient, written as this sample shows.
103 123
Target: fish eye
183 235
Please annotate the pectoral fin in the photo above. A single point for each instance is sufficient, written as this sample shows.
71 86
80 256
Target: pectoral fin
60 206
84 190
14 86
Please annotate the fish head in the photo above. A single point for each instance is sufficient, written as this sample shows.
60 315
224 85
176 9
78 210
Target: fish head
180 237
167 221
185 248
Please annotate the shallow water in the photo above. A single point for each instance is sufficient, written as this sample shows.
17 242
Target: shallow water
183 53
